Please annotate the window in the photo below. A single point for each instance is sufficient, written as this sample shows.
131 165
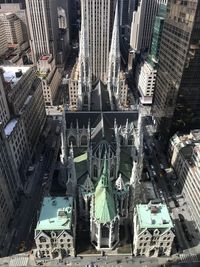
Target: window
104 231
42 239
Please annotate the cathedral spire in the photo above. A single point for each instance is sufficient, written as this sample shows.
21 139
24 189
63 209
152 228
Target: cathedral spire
63 155
114 60
115 48
85 82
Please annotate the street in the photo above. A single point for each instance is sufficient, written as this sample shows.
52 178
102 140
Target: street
27 213
167 191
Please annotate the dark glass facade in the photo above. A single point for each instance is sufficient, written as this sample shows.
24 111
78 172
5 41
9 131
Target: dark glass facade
176 104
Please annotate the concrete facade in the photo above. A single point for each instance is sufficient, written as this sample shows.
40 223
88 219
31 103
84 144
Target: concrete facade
43 27
13 28
145 81
24 96
153 230
55 232
10 186
3 39
184 155
50 76
4 110
142 24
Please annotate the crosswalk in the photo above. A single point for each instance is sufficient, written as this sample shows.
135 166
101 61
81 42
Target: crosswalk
188 258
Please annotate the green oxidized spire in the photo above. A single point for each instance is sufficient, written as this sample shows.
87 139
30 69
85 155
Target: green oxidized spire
104 208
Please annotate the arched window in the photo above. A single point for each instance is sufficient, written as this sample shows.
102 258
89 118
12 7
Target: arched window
130 140
85 100
104 231
95 171
84 140
42 239
72 140
112 171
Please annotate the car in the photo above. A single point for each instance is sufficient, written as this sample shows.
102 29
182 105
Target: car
22 246
181 217
154 173
176 203
161 166
152 167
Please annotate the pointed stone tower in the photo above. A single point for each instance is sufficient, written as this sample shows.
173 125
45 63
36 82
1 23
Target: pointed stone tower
71 184
85 79
63 156
85 195
116 79
114 60
122 197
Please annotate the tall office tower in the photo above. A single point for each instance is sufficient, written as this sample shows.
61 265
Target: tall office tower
98 16
9 186
13 28
4 110
176 104
184 156
21 2
142 24
3 39
146 71
20 13
64 30
123 12
23 90
43 26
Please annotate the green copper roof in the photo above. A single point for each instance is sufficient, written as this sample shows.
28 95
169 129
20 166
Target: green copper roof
153 216
56 214
105 209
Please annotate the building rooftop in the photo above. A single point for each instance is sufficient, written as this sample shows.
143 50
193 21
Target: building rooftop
13 74
10 126
56 214
153 216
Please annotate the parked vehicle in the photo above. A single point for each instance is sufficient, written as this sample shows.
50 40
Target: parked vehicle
181 217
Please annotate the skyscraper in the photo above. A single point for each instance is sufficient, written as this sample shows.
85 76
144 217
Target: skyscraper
176 104
43 26
98 17
146 71
142 24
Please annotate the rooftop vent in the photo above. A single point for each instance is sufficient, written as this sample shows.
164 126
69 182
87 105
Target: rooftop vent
61 213
154 209
18 73
54 202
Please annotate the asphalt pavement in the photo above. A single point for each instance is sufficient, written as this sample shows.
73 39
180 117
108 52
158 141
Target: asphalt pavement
167 191
26 215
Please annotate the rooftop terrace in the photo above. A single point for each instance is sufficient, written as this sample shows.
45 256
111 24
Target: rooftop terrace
10 73
153 216
56 214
